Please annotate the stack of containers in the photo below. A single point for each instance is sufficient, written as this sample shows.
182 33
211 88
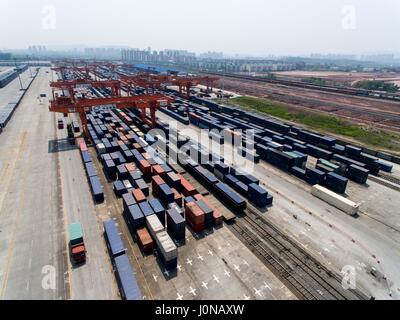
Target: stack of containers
167 250
259 196
335 182
144 239
175 224
208 213
195 217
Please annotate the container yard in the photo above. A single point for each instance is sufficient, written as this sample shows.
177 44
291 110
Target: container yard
273 211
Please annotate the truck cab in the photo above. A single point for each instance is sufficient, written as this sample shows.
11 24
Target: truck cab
76 243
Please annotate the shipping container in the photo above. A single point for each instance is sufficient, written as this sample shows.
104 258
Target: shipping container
229 197
154 225
158 209
357 174
135 217
175 224
342 203
138 195
166 195
113 239
145 241
167 250
259 196
126 279
119 188
97 189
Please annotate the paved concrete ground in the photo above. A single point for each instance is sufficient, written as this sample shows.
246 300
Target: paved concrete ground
43 188
216 266
327 233
10 90
95 279
32 231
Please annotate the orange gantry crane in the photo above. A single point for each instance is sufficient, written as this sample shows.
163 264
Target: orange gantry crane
147 80
70 85
81 105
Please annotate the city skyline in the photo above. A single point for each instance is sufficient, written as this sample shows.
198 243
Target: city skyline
260 28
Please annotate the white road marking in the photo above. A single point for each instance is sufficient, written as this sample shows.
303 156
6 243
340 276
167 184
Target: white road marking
227 273
179 267
246 297
210 253
180 297
257 292
192 291
267 286
204 285
166 272
237 268
216 278
155 277
200 257
245 262
188 261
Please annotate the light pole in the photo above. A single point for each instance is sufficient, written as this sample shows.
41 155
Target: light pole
19 77
29 65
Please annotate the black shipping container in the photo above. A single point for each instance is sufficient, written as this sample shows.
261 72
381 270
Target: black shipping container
230 197
175 224
357 174
97 189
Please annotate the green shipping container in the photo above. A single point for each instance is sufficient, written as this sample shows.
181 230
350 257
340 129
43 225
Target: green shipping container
75 233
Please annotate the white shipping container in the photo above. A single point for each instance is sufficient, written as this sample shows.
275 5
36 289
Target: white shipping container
166 246
101 149
346 205
154 225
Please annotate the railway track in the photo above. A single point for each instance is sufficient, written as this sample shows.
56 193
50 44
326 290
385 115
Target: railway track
331 89
308 278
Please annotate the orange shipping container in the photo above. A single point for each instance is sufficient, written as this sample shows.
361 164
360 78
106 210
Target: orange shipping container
187 189
144 240
130 167
145 167
158 170
138 195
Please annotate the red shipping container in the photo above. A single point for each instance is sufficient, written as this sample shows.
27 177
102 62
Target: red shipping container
216 214
194 214
82 146
145 167
196 227
187 189
138 195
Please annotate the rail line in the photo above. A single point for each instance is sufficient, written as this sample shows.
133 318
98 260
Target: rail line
303 273
331 89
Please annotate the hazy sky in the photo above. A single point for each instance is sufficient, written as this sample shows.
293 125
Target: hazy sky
232 26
